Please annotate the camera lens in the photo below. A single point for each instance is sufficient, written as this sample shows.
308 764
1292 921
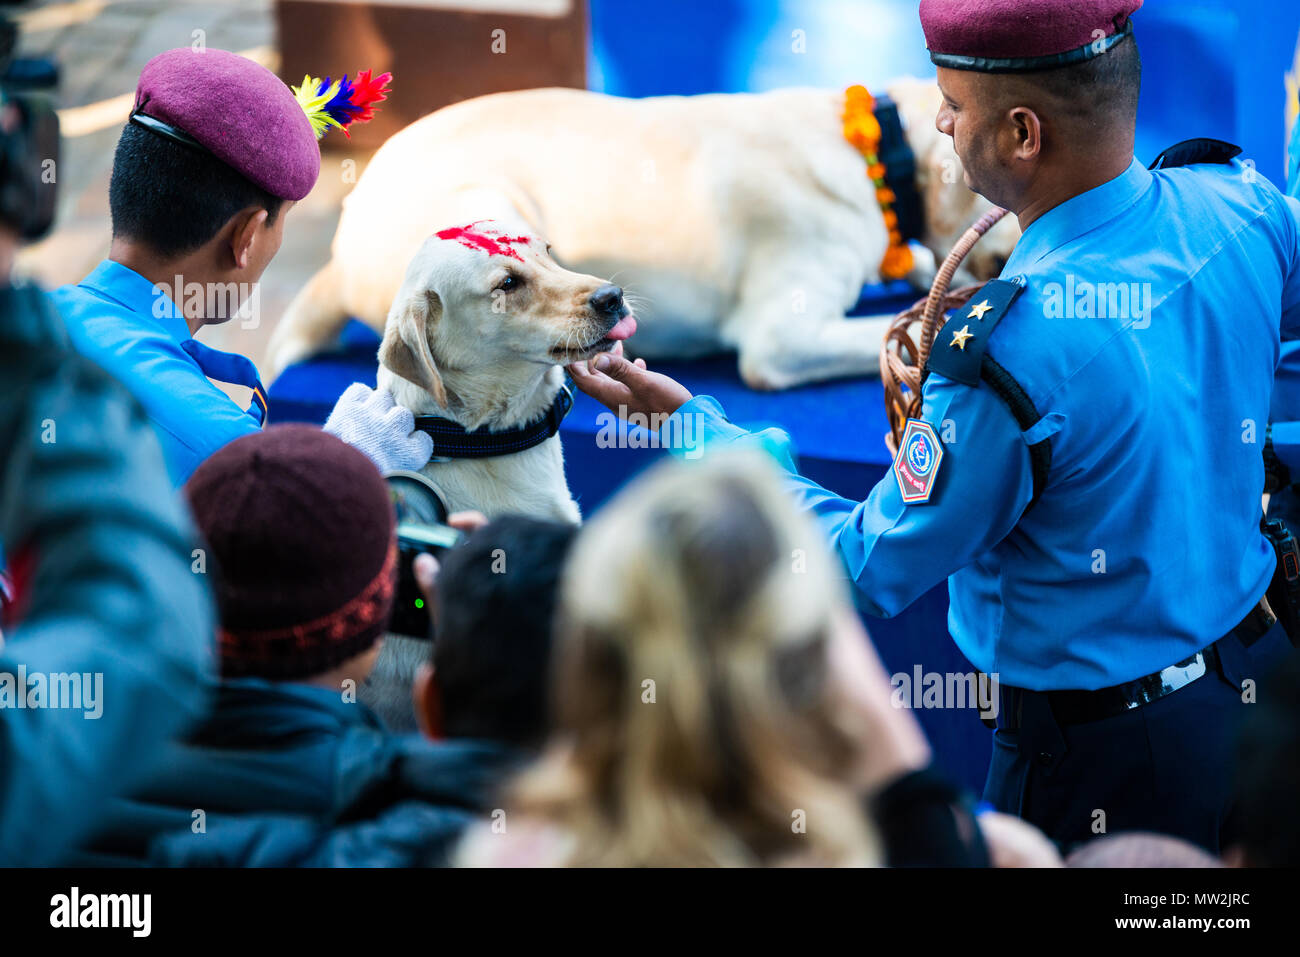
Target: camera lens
415 499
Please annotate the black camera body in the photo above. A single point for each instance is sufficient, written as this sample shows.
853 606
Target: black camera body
421 527
29 138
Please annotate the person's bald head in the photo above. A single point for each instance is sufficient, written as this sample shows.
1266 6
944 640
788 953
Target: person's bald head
1140 849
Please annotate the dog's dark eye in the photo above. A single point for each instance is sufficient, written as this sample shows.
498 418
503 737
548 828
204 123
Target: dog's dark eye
510 284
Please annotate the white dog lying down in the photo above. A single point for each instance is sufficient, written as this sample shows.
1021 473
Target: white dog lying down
479 334
741 221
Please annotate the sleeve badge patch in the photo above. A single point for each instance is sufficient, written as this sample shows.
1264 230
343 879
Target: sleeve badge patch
917 464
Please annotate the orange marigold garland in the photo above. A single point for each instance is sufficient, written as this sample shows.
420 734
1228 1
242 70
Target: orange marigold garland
862 130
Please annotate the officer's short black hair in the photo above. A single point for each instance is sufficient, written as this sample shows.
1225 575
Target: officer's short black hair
497 595
1106 86
174 198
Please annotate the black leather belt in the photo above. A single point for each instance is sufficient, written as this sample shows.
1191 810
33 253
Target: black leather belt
1079 707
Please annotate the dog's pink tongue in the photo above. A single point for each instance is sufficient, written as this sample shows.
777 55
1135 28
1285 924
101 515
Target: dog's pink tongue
624 329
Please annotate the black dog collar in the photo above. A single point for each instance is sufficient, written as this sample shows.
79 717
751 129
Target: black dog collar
900 169
451 440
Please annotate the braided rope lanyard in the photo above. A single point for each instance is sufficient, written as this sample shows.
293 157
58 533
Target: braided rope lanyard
902 359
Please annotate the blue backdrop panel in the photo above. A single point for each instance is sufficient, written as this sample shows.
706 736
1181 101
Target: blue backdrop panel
1210 67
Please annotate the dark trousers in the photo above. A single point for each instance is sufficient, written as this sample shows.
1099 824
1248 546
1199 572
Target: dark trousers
1166 766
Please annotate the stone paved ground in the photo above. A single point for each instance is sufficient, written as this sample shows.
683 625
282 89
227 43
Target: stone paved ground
101 45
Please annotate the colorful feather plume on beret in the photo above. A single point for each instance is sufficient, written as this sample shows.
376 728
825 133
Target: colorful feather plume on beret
340 103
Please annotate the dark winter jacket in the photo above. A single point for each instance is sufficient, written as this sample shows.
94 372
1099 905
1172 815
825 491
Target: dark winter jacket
278 768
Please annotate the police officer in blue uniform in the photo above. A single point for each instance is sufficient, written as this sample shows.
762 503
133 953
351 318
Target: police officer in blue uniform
1087 467
215 154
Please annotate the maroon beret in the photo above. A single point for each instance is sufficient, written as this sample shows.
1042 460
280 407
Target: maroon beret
238 110
1017 36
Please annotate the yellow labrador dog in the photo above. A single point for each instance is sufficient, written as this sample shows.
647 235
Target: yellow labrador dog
479 334
741 221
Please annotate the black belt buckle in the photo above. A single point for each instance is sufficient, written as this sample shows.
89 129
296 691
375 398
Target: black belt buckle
1080 707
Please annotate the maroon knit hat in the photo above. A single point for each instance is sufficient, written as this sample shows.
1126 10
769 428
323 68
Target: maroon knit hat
300 528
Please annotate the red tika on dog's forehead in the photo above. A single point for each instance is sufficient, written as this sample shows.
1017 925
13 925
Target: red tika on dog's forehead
485 239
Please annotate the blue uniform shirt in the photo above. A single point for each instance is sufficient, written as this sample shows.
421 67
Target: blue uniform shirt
1144 546
117 319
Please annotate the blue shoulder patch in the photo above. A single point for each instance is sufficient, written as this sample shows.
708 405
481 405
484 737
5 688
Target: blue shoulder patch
958 350
916 466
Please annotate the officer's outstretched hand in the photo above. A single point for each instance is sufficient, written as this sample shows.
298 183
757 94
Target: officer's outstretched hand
626 387
375 424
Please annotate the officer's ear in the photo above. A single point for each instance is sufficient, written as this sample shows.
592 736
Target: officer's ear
247 224
1027 132
405 349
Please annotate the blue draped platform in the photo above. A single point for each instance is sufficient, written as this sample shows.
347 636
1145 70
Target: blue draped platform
838 429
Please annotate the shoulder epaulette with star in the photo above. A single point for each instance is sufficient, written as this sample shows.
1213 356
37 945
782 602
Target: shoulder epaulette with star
960 353
958 350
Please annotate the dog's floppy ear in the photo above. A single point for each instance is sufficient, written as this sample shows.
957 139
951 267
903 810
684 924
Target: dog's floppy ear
405 348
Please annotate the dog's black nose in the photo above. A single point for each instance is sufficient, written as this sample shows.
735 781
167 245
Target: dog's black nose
607 301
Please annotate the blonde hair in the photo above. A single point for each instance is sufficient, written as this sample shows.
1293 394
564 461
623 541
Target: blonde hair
694 725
